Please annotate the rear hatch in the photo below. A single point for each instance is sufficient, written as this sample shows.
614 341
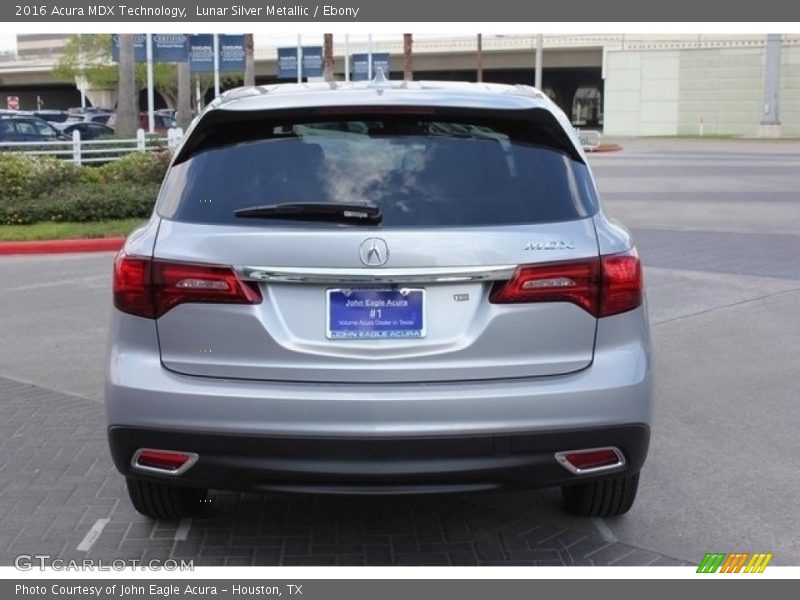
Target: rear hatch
441 208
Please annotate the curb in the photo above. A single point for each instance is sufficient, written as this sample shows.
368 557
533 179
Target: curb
62 246
606 148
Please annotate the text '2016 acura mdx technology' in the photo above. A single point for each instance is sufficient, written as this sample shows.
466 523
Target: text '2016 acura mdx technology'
379 287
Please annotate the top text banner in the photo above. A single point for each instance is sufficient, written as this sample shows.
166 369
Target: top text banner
497 11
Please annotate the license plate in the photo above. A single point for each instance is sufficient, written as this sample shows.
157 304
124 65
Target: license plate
376 313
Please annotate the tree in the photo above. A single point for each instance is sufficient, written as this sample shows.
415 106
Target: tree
408 57
328 59
127 114
249 60
184 113
479 77
89 57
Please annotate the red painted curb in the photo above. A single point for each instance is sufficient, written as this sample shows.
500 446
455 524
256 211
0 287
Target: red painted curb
62 246
607 148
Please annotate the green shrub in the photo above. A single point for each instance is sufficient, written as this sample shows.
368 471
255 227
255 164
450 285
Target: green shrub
27 176
42 188
82 202
91 175
138 167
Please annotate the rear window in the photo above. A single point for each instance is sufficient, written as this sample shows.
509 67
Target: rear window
421 170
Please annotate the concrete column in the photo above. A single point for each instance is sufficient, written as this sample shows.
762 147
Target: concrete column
102 98
770 117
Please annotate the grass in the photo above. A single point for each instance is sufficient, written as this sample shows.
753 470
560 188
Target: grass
62 231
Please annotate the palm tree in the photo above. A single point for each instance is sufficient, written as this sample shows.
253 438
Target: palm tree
479 78
328 52
408 61
127 98
184 108
249 60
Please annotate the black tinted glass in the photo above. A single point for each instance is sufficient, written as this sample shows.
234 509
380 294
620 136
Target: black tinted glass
420 172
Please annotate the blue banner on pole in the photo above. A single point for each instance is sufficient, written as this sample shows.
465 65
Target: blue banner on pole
201 52
311 62
287 63
170 47
139 47
359 65
231 53
166 47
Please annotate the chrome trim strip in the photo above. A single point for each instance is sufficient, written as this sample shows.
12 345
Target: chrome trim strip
180 471
561 458
361 276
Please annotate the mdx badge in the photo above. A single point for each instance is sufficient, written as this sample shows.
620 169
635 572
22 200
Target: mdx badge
552 245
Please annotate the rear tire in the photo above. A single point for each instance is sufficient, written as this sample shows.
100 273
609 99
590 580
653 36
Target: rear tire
604 498
159 500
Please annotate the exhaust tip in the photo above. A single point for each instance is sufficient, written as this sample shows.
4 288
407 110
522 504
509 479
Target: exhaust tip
164 462
591 460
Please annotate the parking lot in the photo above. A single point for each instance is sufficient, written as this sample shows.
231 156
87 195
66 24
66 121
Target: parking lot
717 223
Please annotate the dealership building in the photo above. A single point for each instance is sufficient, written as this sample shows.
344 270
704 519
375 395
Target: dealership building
638 85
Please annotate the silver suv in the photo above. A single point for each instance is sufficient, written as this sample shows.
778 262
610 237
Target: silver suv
379 288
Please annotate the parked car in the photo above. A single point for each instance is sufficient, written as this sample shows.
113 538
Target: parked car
87 129
51 116
162 122
89 115
15 128
379 287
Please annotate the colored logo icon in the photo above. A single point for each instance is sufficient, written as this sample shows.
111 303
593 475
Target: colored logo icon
737 562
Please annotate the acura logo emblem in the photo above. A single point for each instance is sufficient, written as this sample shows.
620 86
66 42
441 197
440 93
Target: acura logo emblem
373 252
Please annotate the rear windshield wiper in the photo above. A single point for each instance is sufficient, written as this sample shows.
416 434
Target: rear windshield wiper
334 212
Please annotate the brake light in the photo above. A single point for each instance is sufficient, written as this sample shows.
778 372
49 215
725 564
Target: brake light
132 292
603 286
149 288
622 283
574 281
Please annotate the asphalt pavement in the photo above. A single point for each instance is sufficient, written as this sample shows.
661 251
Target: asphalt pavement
717 223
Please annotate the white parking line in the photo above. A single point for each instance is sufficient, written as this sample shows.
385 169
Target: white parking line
92 535
182 532
78 281
604 530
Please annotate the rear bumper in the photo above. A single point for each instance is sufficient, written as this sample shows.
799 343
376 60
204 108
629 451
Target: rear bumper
614 390
380 437
385 465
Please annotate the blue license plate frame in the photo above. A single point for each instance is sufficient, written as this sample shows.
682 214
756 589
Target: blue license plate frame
375 313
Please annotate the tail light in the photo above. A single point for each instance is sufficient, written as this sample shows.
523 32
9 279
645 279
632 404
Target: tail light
622 283
149 288
604 286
